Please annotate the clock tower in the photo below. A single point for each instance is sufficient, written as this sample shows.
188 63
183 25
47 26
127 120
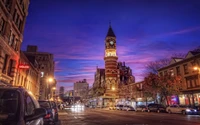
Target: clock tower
110 58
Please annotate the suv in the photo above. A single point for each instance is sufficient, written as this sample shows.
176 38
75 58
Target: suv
50 116
19 107
156 108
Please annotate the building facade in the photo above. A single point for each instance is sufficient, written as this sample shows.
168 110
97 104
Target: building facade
111 71
69 93
28 76
189 70
61 92
99 78
125 74
13 15
81 89
46 68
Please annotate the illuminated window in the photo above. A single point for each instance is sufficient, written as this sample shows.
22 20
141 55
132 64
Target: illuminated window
42 74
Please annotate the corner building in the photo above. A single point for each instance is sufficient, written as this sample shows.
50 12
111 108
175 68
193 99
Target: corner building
46 68
13 15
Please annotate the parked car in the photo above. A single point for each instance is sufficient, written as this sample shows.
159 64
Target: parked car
55 107
181 109
141 108
128 108
156 108
112 107
119 107
19 107
50 116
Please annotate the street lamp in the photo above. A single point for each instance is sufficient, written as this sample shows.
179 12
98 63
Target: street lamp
50 79
196 68
113 88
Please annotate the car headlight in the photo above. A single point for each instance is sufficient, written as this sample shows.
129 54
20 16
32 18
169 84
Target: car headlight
188 110
195 110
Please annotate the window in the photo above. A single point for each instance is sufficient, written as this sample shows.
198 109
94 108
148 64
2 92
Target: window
185 66
29 105
165 72
192 81
178 72
161 73
10 67
16 46
171 72
2 24
5 63
7 4
12 38
9 103
42 74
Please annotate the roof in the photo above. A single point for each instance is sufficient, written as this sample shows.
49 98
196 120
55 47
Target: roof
188 57
110 32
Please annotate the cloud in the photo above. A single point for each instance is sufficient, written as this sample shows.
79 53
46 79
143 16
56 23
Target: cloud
183 31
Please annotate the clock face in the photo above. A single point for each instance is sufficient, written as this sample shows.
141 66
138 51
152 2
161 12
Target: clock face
111 42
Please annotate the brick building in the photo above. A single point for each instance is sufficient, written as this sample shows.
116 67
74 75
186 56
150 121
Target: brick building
13 15
189 70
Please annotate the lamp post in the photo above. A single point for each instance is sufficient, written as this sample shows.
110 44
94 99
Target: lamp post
53 92
49 80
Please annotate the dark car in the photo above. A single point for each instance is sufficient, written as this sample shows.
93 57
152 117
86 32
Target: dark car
128 108
141 108
19 107
50 116
55 107
156 108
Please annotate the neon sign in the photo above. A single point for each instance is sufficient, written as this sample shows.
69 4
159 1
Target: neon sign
24 66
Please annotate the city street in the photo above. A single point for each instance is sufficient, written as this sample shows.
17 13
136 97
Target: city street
107 117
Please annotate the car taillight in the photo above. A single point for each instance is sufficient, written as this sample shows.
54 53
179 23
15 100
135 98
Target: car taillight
48 116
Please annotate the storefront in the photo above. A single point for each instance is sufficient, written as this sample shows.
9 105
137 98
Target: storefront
190 99
172 100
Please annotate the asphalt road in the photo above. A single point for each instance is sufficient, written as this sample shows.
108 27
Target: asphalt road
112 117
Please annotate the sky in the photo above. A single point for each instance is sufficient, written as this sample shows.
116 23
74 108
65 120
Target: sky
75 30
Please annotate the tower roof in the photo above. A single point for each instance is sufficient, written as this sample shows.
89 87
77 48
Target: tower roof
110 32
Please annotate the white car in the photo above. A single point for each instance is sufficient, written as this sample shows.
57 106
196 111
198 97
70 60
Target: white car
180 109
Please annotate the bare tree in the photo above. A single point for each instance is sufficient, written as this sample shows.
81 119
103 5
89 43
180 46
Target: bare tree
178 55
155 65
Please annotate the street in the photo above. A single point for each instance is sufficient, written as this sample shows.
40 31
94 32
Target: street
113 117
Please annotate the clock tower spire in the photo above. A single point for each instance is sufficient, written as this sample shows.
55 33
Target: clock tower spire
110 58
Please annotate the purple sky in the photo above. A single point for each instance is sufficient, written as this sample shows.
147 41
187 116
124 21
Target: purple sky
146 30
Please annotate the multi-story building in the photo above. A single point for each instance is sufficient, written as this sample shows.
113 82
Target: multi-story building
28 76
99 78
13 15
125 75
81 89
69 93
189 70
61 92
46 68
